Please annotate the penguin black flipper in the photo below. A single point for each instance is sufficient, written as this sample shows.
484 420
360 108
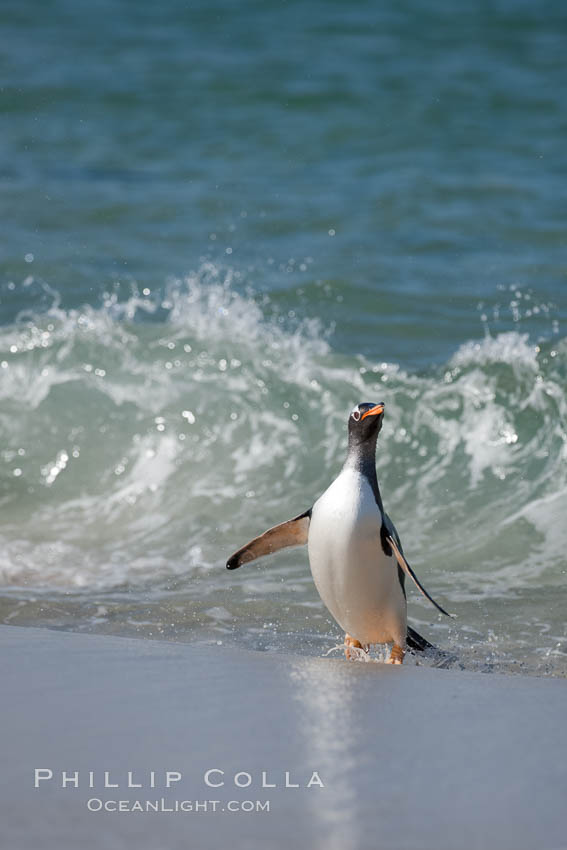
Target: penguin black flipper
294 532
408 571
388 528
414 640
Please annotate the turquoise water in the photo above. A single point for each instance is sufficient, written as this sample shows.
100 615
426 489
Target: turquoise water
226 223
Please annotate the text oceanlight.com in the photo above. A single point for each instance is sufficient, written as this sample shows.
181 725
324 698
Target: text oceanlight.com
95 804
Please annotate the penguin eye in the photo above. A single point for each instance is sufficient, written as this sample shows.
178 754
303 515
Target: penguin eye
356 415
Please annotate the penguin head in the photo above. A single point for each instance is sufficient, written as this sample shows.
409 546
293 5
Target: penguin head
365 421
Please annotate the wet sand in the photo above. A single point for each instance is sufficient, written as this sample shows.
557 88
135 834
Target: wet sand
409 757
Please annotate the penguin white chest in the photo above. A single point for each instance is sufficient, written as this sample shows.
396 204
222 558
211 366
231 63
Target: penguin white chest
358 583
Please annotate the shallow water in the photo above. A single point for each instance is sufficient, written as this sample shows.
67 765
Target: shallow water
227 225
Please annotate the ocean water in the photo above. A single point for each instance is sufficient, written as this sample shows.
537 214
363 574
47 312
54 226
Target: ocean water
225 224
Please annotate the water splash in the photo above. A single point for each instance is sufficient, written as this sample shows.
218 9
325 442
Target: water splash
144 439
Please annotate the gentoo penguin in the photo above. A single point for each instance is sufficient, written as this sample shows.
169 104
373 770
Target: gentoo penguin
355 553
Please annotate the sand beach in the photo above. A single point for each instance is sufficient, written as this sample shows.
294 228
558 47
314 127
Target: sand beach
348 756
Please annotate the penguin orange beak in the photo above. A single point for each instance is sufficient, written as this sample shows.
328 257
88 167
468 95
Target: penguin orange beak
374 411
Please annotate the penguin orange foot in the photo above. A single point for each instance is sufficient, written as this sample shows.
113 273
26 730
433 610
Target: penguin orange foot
351 642
396 655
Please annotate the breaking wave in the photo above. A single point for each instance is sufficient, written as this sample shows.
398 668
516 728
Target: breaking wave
144 439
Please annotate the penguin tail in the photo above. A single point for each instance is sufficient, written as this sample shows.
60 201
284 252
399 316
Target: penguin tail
418 643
